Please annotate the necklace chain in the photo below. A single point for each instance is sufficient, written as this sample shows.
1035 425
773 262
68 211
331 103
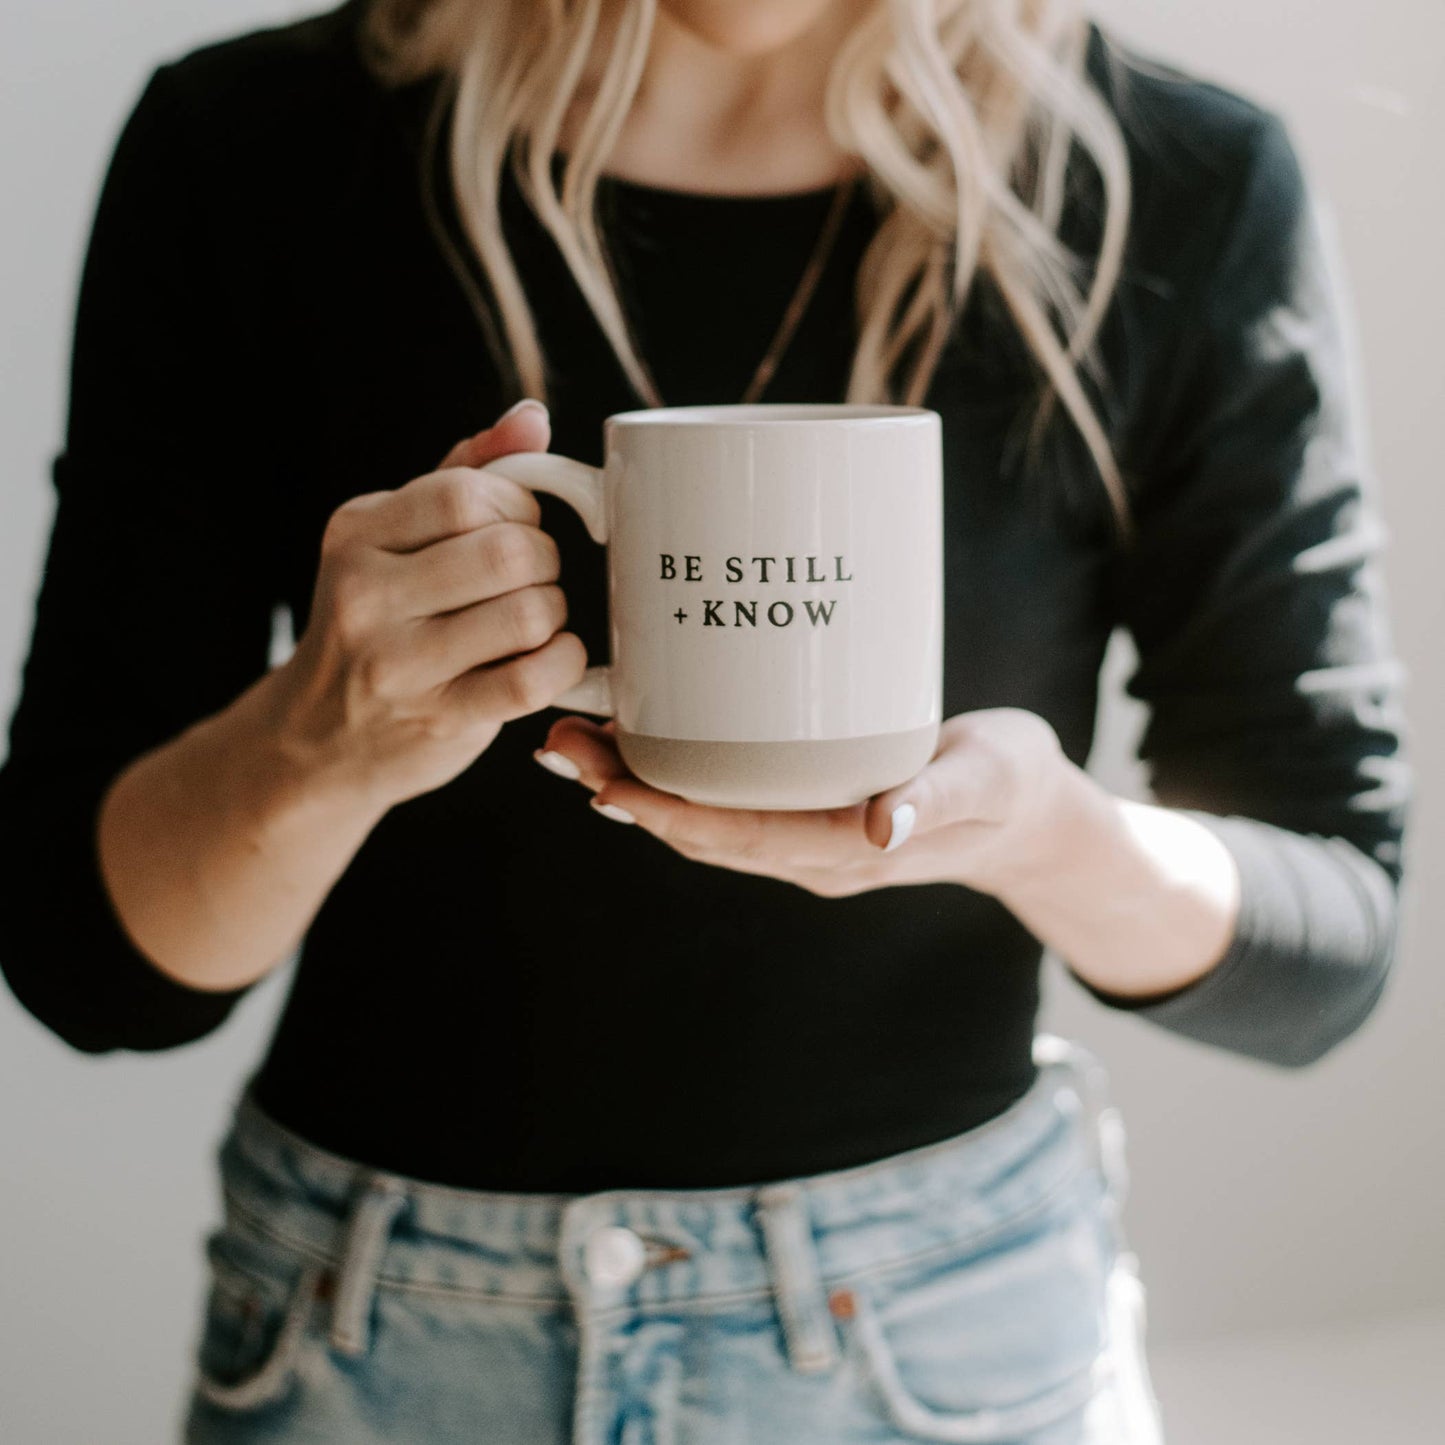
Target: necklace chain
792 315
796 307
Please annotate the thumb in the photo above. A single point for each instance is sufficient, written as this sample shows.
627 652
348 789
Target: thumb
524 427
955 787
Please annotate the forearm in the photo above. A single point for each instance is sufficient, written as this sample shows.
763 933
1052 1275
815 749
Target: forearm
217 848
1138 900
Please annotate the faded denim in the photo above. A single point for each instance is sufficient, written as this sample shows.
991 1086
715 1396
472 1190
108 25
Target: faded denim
974 1290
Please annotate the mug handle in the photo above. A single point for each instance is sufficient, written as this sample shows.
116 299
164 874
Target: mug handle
581 487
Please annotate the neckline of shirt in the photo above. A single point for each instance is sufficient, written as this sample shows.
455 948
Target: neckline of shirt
625 187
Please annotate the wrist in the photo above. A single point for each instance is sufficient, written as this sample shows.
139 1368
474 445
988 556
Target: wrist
1137 899
289 773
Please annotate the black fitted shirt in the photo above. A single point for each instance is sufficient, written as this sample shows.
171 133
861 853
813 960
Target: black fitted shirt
507 991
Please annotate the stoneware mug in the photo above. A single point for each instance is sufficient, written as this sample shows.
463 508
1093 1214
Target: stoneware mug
775 577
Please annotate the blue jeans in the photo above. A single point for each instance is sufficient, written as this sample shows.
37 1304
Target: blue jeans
973 1290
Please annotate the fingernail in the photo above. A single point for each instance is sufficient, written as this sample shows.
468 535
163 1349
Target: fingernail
905 815
526 401
611 810
559 763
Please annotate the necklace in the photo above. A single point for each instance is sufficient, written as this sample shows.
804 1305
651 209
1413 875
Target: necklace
796 307
480 308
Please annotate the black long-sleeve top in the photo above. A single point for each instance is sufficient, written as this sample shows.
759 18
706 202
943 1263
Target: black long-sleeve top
505 990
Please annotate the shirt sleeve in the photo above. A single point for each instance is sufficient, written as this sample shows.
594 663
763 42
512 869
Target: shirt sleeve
1255 599
158 589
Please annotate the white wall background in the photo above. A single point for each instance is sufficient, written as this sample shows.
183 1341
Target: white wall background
1263 1201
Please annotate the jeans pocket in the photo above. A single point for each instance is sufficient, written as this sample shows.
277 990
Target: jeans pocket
999 1345
258 1316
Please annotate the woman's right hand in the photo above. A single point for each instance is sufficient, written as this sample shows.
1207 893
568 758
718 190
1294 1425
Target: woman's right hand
436 618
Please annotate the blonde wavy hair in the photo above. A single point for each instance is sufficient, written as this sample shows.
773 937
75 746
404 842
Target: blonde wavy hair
965 114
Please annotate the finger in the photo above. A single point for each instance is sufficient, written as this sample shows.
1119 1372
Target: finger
523 427
587 752
440 505
438 649
760 840
460 571
521 685
820 839
430 508
963 783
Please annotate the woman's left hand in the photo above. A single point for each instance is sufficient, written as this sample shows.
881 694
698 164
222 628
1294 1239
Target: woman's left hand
994 806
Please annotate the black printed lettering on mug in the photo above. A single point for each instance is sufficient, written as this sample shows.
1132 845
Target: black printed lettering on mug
762 569
780 613
766 570
691 567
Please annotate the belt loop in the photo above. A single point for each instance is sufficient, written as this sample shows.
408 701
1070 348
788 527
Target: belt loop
808 1329
366 1237
1103 1124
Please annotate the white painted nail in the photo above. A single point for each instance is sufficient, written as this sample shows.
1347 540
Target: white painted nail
611 810
522 405
560 764
905 815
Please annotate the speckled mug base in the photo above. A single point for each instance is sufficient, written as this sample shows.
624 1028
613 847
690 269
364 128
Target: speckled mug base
808 774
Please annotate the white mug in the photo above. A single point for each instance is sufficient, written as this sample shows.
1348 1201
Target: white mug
775 582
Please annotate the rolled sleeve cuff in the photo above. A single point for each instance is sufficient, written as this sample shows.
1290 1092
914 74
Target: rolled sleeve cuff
77 970
1307 958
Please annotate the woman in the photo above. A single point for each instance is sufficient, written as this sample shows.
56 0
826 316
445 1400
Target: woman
717 1126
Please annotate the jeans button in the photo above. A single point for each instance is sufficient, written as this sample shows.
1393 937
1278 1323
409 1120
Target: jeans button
613 1255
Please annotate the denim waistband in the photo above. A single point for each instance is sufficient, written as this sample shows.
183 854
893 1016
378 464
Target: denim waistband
686 1245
